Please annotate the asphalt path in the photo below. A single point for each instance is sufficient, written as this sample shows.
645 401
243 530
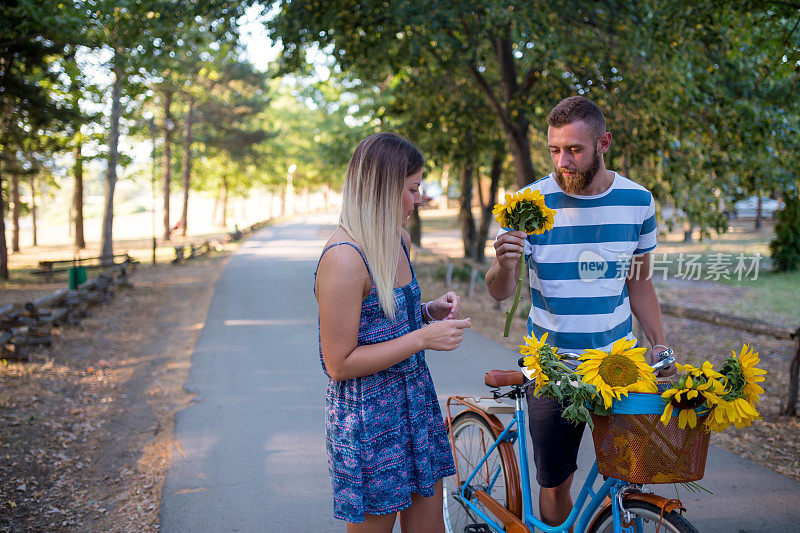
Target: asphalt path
249 454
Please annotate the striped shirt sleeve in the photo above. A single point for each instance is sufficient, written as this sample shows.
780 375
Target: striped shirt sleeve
648 232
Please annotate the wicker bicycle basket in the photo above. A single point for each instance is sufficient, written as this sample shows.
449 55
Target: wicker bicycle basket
633 445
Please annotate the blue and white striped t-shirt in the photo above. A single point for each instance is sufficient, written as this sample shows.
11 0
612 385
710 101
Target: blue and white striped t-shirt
577 270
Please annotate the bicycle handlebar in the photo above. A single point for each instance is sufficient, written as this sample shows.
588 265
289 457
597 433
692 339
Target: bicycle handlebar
663 363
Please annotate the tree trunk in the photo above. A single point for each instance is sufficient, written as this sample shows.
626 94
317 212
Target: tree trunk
415 227
465 213
216 209
520 148
33 210
77 198
13 198
107 253
224 201
757 225
3 247
687 235
486 209
445 185
511 115
186 166
166 160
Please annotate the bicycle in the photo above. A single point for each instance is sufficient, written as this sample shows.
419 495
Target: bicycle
488 481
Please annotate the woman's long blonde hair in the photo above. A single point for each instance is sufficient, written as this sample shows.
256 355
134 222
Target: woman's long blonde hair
372 205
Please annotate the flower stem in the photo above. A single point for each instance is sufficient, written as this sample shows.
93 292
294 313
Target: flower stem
517 299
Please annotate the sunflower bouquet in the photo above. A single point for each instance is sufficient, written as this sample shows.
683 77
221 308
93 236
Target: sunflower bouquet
601 377
554 379
647 438
523 211
727 397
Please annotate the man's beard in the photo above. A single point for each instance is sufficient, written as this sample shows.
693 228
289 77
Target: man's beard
579 181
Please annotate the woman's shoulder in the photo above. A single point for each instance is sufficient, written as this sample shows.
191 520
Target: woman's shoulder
342 256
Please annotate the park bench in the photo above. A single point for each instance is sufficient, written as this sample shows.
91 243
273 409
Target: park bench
190 251
48 269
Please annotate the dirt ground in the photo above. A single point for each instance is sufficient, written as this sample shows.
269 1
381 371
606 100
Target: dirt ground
773 441
86 426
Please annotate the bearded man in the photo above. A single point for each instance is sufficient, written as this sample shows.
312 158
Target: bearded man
586 276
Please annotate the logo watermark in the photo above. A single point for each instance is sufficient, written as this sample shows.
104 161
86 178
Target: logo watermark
711 267
591 266
715 267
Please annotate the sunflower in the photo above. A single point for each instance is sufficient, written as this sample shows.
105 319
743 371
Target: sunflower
553 379
738 412
741 395
535 349
618 372
742 375
700 386
525 211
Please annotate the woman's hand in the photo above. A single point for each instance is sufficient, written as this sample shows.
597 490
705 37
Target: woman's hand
445 335
445 307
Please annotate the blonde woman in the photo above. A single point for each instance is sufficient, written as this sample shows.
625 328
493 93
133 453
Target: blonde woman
387 445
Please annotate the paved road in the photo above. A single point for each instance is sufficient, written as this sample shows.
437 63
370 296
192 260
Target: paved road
249 452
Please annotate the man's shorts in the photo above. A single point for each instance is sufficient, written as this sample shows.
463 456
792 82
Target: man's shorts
555 441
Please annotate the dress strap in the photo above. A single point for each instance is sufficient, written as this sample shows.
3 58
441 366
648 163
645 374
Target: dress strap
337 244
408 256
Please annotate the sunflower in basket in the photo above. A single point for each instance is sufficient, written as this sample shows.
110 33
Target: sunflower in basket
533 350
556 380
737 404
617 372
523 211
698 387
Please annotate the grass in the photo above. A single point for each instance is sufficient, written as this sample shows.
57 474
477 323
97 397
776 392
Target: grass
777 293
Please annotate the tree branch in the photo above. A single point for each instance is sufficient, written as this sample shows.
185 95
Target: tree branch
530 79
508 70
494 103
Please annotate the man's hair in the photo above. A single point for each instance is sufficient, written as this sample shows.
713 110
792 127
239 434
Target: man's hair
576 108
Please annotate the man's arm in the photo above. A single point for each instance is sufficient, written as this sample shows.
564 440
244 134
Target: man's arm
501 279
644 302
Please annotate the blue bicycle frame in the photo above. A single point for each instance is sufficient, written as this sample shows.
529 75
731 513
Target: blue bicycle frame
581 513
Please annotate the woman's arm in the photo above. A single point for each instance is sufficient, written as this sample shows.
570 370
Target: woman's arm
342 280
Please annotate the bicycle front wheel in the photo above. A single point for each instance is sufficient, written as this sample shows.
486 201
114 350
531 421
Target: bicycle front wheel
647 518
472 436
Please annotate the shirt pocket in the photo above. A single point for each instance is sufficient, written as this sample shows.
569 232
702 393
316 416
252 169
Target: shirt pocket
618 256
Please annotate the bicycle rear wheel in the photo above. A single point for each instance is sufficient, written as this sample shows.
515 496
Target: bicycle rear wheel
472 436
648 518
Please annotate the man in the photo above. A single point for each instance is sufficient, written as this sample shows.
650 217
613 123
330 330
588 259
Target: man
586 276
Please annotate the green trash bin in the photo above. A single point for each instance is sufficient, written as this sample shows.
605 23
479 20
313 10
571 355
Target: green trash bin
77 275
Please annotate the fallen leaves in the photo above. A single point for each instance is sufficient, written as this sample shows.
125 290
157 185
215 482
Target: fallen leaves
78 448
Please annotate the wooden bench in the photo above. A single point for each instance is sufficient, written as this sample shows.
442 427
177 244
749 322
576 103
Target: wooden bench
190 251
48 269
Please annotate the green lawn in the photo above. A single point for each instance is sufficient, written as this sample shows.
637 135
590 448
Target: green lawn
776 292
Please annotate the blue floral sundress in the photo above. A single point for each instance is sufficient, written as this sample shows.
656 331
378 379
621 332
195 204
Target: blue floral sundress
385 433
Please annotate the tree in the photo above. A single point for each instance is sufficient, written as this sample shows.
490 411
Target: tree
654 67
189 69
445 114
32 36
228 125
139 33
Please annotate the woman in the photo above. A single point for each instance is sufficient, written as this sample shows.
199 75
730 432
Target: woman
387 446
